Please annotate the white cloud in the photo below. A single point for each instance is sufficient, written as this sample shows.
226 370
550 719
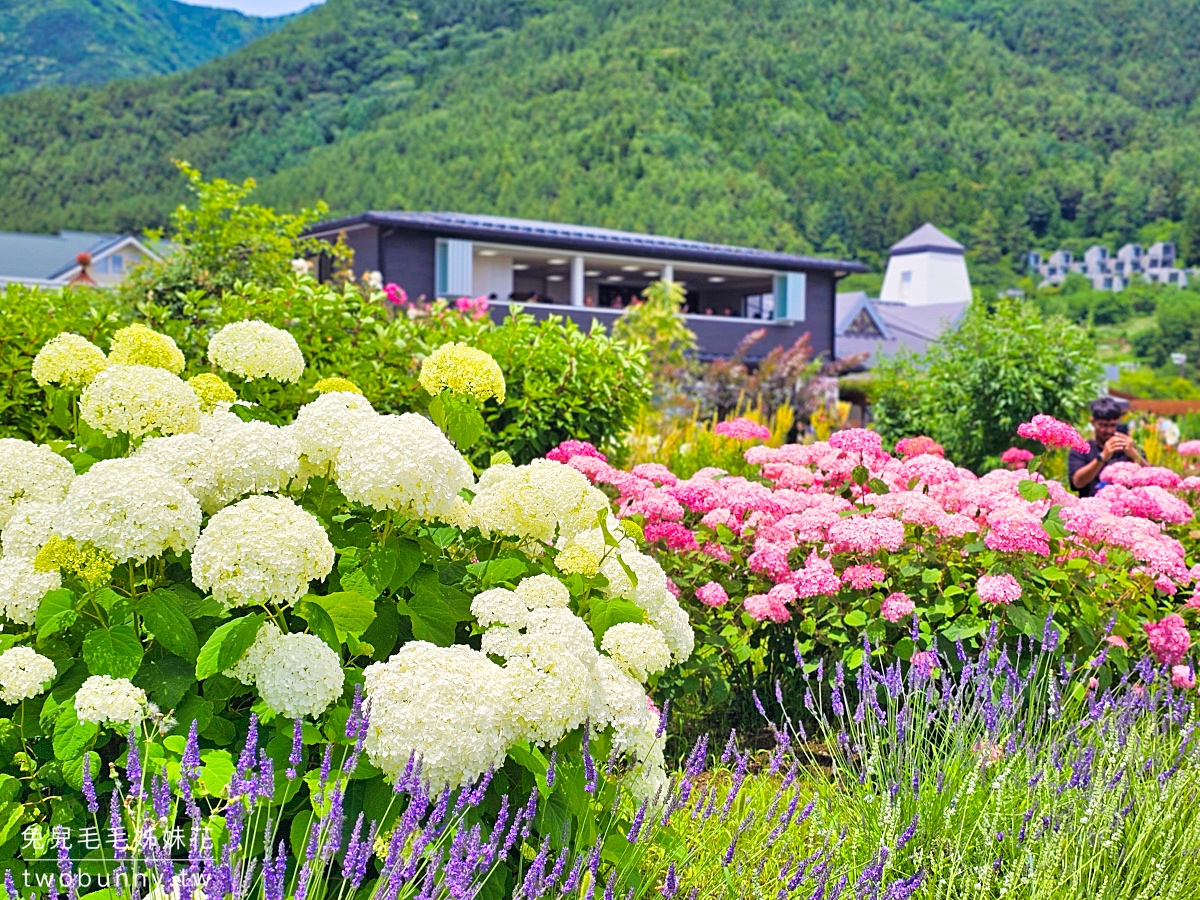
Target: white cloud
258 7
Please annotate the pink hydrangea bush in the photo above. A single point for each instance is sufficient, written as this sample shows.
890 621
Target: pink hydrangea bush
742 429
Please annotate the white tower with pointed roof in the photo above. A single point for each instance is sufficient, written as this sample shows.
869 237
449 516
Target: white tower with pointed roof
925 268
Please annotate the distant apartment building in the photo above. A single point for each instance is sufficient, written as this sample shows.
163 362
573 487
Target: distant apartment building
1113 271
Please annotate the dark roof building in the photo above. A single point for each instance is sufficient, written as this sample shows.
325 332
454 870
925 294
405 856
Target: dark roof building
882 329
589 273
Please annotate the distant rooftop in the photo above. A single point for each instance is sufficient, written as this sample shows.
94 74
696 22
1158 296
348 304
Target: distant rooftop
586 237
928 238
47 256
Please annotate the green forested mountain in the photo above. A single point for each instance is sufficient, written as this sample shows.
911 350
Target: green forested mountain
798 124
47 42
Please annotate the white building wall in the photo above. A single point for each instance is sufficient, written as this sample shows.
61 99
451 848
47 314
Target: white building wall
932 278
492 275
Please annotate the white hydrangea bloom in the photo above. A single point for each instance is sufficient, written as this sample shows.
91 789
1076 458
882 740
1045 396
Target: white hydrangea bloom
22 588
673 623
404 463
247 668
24 674
29 527
254 349
131 509
548 690
448 705
137 400
251 458
106 700
543 501
30 471
543 590
300 676
499 606
640 650
621 703
191 460
323 426
67 360
652 595
260 550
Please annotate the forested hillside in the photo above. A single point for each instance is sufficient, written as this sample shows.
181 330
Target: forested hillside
48 42
796 124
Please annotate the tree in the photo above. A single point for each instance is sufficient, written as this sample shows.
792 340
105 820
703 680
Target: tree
974 386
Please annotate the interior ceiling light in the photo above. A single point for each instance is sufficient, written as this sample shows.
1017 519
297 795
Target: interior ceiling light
592 273
650 273
557 261
716 279
488 252
630 268
554 278
520 267
614 278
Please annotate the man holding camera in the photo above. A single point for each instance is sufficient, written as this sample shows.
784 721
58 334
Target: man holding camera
1110 444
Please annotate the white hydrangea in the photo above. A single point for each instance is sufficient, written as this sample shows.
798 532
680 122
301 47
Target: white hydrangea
543 591
131 509
30 471
621 703
24 674
323 426
22 588
29 527
67 360
300 676
652 595
543 501
499 606
548 690
640 650
251 458
448 705
404 463
254 349
137 400
191 460
247 668
260 550
106 700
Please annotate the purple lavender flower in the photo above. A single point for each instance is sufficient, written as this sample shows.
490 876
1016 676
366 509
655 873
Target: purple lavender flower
589 764
663 715
670 883
89 789
133 767
297 745
550 769
635 829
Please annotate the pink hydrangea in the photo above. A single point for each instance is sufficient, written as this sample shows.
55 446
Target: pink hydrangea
764 607
919 446
476 306
1016 457
656 506
655 472
924 662
1183 677
1188 448
771 561
569 449
1051 432
1169 639
1132 475
1115 640
712 594
395 294
673 588
863 578
998 590
857 440
675 535
1193 602
817 578
716 551
896 607
742 429
865 534
1018 536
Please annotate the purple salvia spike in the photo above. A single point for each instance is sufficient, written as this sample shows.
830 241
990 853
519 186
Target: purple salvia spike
116 827
572 882
663 716
610 887
355 713
133 767
635 829
89 789
250 750
352 848
730 747
589 764
9 887
65 869
297 748
670 883
364 854
264 785
550 769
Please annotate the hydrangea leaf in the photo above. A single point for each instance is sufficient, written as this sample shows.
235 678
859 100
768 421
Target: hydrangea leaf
70 735
607 613
114 651
55 613
432 619
227 644
163 615
351 613
319 622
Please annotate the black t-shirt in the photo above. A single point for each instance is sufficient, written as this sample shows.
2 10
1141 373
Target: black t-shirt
1077 460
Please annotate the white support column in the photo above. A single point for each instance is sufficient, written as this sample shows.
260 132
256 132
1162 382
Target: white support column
668 272
577 281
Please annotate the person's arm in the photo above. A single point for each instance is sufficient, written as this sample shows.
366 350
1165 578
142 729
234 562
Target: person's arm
1086 474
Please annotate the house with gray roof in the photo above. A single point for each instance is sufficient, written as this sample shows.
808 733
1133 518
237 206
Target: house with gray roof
879 329
55 260
591 274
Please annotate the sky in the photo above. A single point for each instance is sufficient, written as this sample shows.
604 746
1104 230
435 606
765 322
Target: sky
258 7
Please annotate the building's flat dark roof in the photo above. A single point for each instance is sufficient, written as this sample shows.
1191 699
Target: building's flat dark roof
585 237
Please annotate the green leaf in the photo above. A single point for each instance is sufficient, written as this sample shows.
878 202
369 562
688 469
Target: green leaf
877 486
1025 621
856 618
163 615
931 576
351 613
113 651
71 737
499 571
408 560
860 474
227 644
500 458
459 417
358 582
1033 490
55 613
72 769
319 622
607 613
432 619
